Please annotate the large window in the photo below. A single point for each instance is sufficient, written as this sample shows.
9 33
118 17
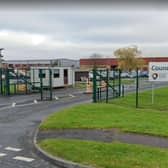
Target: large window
56 73
43 73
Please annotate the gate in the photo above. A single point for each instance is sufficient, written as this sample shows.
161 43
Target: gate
42 79
26 81
15 81
106 84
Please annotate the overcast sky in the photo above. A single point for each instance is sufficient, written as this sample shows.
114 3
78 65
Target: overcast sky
62 32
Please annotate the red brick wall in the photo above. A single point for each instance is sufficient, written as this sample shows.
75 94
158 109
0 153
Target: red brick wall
99 61
86 62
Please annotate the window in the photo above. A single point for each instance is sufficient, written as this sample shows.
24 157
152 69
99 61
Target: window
56 73
43 73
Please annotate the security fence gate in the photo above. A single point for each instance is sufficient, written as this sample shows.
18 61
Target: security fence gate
106 84
15 81
42 79
21 81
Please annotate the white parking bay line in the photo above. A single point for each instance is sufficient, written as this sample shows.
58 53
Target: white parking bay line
2 154
13 149
23 158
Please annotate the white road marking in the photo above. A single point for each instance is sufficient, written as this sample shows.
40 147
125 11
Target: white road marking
13 104
56 98
35 101
23 158
13 149
2 154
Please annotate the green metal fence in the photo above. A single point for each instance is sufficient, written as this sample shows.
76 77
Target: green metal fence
26 81
15 81
106 84
46 89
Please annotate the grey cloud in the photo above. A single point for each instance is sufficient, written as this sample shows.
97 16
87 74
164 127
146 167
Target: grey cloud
83 27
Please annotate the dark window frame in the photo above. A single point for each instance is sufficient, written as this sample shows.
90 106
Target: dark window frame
43 73
56 74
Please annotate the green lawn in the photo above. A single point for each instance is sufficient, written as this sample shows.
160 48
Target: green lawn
80 85
107 155
109 116
123 81
120 113
145 99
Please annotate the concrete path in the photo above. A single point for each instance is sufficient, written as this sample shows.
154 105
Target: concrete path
105 135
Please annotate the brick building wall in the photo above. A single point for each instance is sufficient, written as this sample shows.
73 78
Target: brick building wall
88 63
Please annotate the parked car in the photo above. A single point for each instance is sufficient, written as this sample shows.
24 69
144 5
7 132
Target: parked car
125 75
143 74
140 74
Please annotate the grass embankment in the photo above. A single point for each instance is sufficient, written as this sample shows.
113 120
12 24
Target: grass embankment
107 155
110 155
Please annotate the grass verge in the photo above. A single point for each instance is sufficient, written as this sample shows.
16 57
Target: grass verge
107 155
103 115
145 99
153 120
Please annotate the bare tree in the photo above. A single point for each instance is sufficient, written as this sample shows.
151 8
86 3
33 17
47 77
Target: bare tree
129 58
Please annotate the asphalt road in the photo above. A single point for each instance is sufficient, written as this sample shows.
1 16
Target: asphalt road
18 124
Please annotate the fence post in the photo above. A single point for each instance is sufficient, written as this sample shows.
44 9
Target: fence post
17 80
119 78
41 84
7 82
107 84
122 90
94 85
26 80
137 86
1 80
50 83
113 82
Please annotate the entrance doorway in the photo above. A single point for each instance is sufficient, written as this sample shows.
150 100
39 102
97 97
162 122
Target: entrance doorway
65 76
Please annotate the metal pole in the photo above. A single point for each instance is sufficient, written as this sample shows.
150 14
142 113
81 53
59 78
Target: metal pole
113 76
137 86
17 80
119 79
152 93
26 79
113 82
7 82
100 85
41 84
1 80
50 76
122 90
107 83
94 86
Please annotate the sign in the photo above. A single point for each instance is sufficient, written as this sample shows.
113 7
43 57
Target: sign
158 71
